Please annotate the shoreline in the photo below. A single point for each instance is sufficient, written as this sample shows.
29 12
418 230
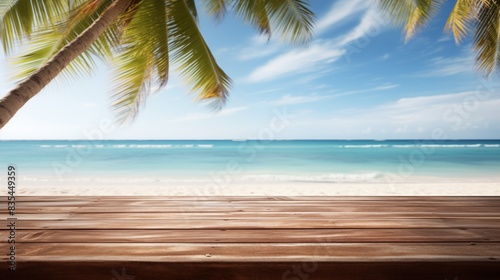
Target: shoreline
439 188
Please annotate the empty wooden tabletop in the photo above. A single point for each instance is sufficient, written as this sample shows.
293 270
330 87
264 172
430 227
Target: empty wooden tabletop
253 238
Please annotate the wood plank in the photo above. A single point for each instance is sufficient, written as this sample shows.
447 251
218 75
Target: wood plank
260 236
119 270
261 198
249 215
228 203
257 237
258 252
121 209
258 223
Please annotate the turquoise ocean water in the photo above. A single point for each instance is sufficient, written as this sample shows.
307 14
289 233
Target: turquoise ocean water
252 160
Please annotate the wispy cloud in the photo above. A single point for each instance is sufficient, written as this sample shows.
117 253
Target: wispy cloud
415 117
291 99
384 87
442 67
320 53
297 61
259 46
201 116
341 11
370 25
385 57
376 88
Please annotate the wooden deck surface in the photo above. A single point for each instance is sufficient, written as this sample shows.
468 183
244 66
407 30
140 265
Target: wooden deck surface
283 238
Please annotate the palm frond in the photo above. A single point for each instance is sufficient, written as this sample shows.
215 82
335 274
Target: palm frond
291 19
192 7
254 12
20 18
195 62
143 59
46 43
411 14
459 19
486 38
216 8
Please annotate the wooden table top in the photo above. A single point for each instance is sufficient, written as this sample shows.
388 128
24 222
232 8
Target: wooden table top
253 238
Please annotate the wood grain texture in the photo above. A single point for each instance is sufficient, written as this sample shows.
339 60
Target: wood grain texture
292 238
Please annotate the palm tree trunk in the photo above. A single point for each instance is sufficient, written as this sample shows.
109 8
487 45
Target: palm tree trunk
28 88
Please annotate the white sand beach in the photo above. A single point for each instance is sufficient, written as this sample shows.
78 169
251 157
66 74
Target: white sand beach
464 187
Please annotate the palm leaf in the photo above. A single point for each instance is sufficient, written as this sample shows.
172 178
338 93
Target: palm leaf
216 8
46 43
192 7
291 19
143 59
459 19
20 18
411 14
196 63
254 12
486 37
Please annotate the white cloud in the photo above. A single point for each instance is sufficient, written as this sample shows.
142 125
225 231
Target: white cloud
384 87
445 38
297 61
320 53
458 115
260 46
231 111
290 99
376 88
442 67
202 116
340 11
370 25
385 57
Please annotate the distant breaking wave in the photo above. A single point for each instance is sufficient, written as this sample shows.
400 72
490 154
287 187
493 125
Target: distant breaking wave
320 178
130 146
360 146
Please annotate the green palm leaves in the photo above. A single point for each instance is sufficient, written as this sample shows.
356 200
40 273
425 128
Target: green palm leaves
143 42
482 17
142 61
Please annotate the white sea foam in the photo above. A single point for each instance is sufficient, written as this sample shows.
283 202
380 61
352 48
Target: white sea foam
150 146
325 178
473 146
404 146
365 146
79 146
319 178
205 146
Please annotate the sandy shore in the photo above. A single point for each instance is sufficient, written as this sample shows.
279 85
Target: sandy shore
436 188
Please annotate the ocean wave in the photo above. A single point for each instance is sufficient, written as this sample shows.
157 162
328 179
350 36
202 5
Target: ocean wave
364 146
441 146
194 145
142 146
131 146
325 178
404 146
256 178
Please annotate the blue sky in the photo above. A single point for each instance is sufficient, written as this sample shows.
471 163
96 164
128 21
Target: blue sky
357 79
